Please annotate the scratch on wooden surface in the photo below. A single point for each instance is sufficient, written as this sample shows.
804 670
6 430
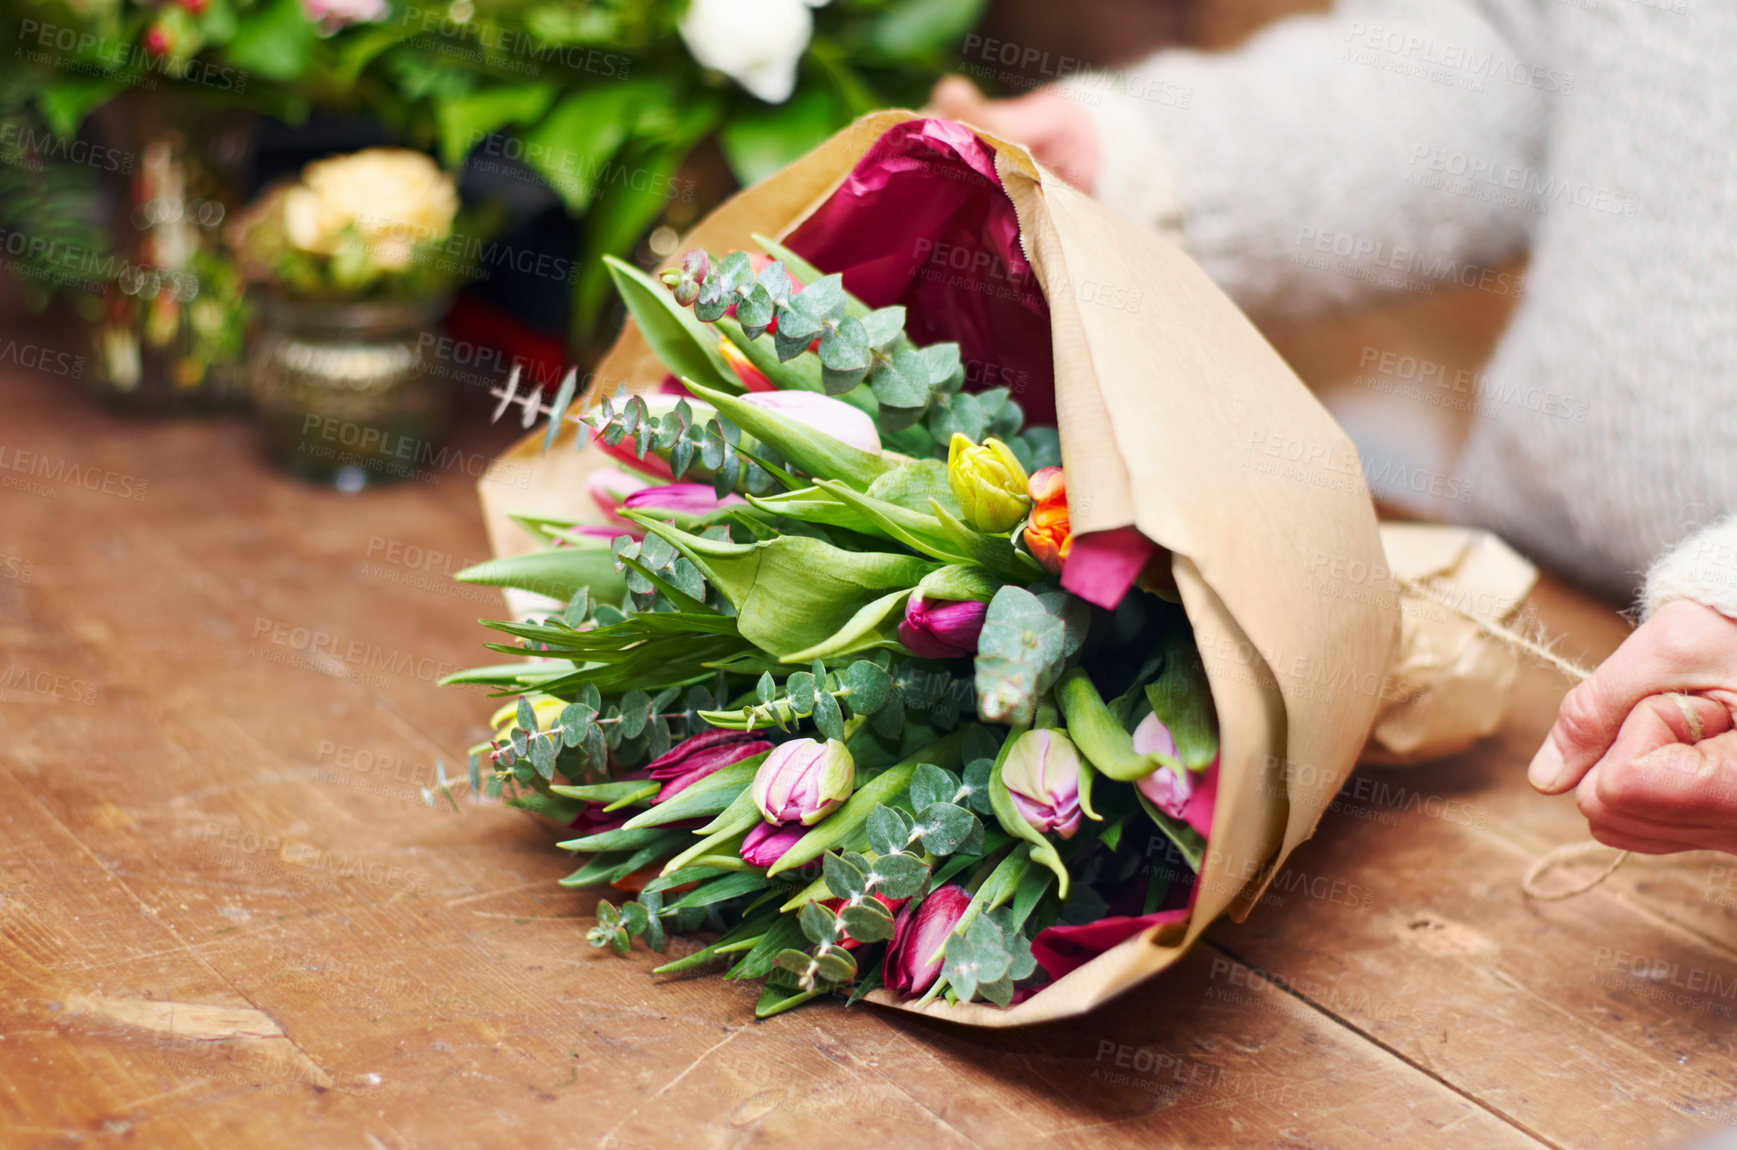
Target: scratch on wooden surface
665 1088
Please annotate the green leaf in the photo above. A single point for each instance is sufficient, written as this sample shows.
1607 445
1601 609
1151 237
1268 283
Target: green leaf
681 343
875 625
932 785
276 41
889 829
943 827
1100 737
867 922
1181 697
1020 653
572 146
1186 838
799 692
867 686
912 486
843 877
902 381
827 717
792 593
759 140
66 100
560 573
712 795
898 875
818 923
844 356
916 28
1033 885
722 890
467 119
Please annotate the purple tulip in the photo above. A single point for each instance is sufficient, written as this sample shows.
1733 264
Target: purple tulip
1042 774
766 844
803 781
919 938
681 498
693 759
941 628
1169 790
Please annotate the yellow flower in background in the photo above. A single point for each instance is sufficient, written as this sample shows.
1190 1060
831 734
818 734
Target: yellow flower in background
989 483
390 199
547 708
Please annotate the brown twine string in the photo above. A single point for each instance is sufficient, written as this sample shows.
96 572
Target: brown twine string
1567 852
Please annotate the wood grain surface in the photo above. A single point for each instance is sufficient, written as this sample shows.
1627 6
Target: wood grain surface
227 916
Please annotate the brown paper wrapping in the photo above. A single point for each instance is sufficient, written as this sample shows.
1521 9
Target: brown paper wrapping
1176 417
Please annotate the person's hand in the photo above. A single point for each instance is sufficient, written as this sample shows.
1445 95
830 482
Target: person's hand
1648 740
1058 131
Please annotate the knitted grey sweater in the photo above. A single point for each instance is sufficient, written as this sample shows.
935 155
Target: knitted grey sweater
1389 144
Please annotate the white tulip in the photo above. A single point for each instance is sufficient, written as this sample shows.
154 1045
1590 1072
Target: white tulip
757 43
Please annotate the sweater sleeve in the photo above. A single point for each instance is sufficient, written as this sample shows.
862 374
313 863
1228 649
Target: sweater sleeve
1383 147
1702 567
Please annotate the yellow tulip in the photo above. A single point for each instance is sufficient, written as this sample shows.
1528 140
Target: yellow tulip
988 482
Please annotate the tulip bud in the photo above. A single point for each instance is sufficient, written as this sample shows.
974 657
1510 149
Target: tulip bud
693 759
804 780
752 377
941 628
1048 535
1169 790
919 938
680 499
989 483
823 413
1042 774
766 844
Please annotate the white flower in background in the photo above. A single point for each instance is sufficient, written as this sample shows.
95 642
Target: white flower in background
332 15
756 43
392 197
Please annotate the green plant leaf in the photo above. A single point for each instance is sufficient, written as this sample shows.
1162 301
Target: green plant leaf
559 573
681 343
792 593
466 120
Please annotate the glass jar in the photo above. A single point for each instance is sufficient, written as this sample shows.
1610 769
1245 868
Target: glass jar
169 338
343 392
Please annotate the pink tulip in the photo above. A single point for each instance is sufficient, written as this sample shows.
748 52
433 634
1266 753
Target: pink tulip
680 498
823 413
693 759
941 628
1042 774
1168 790
803 781
913 957
766 843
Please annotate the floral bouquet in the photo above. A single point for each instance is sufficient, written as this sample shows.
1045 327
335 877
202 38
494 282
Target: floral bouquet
977 700
375 224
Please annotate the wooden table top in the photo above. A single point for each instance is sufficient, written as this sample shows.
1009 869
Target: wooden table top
226 911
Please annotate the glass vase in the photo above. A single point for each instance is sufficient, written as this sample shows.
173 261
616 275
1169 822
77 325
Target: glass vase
342 390
173 315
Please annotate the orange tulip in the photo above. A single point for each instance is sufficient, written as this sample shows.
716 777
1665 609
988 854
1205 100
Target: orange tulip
1047 534
752 377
